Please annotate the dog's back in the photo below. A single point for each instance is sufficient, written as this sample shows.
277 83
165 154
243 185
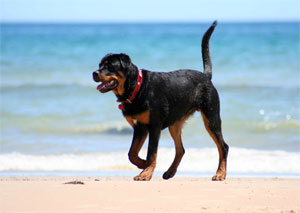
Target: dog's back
174 94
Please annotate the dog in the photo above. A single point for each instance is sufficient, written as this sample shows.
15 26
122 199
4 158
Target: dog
153 101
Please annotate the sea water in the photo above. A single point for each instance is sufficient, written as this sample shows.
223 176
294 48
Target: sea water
54 120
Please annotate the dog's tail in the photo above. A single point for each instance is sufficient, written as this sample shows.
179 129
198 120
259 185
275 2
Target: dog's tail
205 50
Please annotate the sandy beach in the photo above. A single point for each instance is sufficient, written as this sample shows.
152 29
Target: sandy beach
51 194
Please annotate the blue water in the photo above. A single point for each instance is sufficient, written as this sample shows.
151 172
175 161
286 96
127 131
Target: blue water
51 111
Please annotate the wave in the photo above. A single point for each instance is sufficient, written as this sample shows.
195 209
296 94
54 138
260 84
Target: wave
120 128
282 125
240 160
110 128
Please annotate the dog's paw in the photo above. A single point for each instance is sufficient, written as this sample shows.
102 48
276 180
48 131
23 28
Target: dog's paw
145 175
142 178
218 177
169 174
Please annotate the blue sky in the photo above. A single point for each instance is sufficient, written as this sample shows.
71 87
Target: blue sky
148 11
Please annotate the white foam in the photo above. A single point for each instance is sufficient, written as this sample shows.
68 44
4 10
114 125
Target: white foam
195 160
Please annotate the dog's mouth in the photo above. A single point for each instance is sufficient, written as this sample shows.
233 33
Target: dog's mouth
107 85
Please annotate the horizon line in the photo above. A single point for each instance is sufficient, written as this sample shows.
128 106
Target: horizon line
146 21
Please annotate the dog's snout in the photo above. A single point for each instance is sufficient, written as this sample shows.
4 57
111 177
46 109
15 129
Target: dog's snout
96 76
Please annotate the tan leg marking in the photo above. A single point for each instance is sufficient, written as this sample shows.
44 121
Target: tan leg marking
147 173
175 131
221 172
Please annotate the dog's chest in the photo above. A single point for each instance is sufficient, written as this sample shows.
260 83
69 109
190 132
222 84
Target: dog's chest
142 118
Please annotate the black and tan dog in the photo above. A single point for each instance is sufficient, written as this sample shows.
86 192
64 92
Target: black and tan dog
152 101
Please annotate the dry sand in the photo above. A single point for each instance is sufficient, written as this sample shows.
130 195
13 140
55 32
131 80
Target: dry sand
50 194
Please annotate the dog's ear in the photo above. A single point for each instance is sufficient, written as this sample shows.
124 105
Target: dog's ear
124 60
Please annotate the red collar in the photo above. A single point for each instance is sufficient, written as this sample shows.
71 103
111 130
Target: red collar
135 91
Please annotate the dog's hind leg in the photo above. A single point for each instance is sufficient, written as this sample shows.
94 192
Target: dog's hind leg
139 137
175 131
212 122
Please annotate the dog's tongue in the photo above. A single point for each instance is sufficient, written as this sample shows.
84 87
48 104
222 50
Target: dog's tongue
100 86
106 86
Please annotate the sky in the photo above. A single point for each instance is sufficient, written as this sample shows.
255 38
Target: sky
148 10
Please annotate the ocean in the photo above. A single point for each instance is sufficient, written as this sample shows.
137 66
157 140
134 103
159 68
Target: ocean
55 122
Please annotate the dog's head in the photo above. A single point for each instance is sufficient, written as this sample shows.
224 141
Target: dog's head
112 73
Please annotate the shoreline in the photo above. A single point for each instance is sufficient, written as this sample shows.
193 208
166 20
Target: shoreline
119 194
132 173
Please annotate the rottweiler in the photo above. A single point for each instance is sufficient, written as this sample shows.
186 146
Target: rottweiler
152 101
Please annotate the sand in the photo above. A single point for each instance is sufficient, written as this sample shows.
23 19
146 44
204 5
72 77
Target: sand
50 194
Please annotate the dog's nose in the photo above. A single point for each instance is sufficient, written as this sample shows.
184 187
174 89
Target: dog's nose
96 76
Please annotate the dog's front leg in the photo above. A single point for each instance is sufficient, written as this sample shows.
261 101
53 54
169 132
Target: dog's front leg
139 136
154 134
